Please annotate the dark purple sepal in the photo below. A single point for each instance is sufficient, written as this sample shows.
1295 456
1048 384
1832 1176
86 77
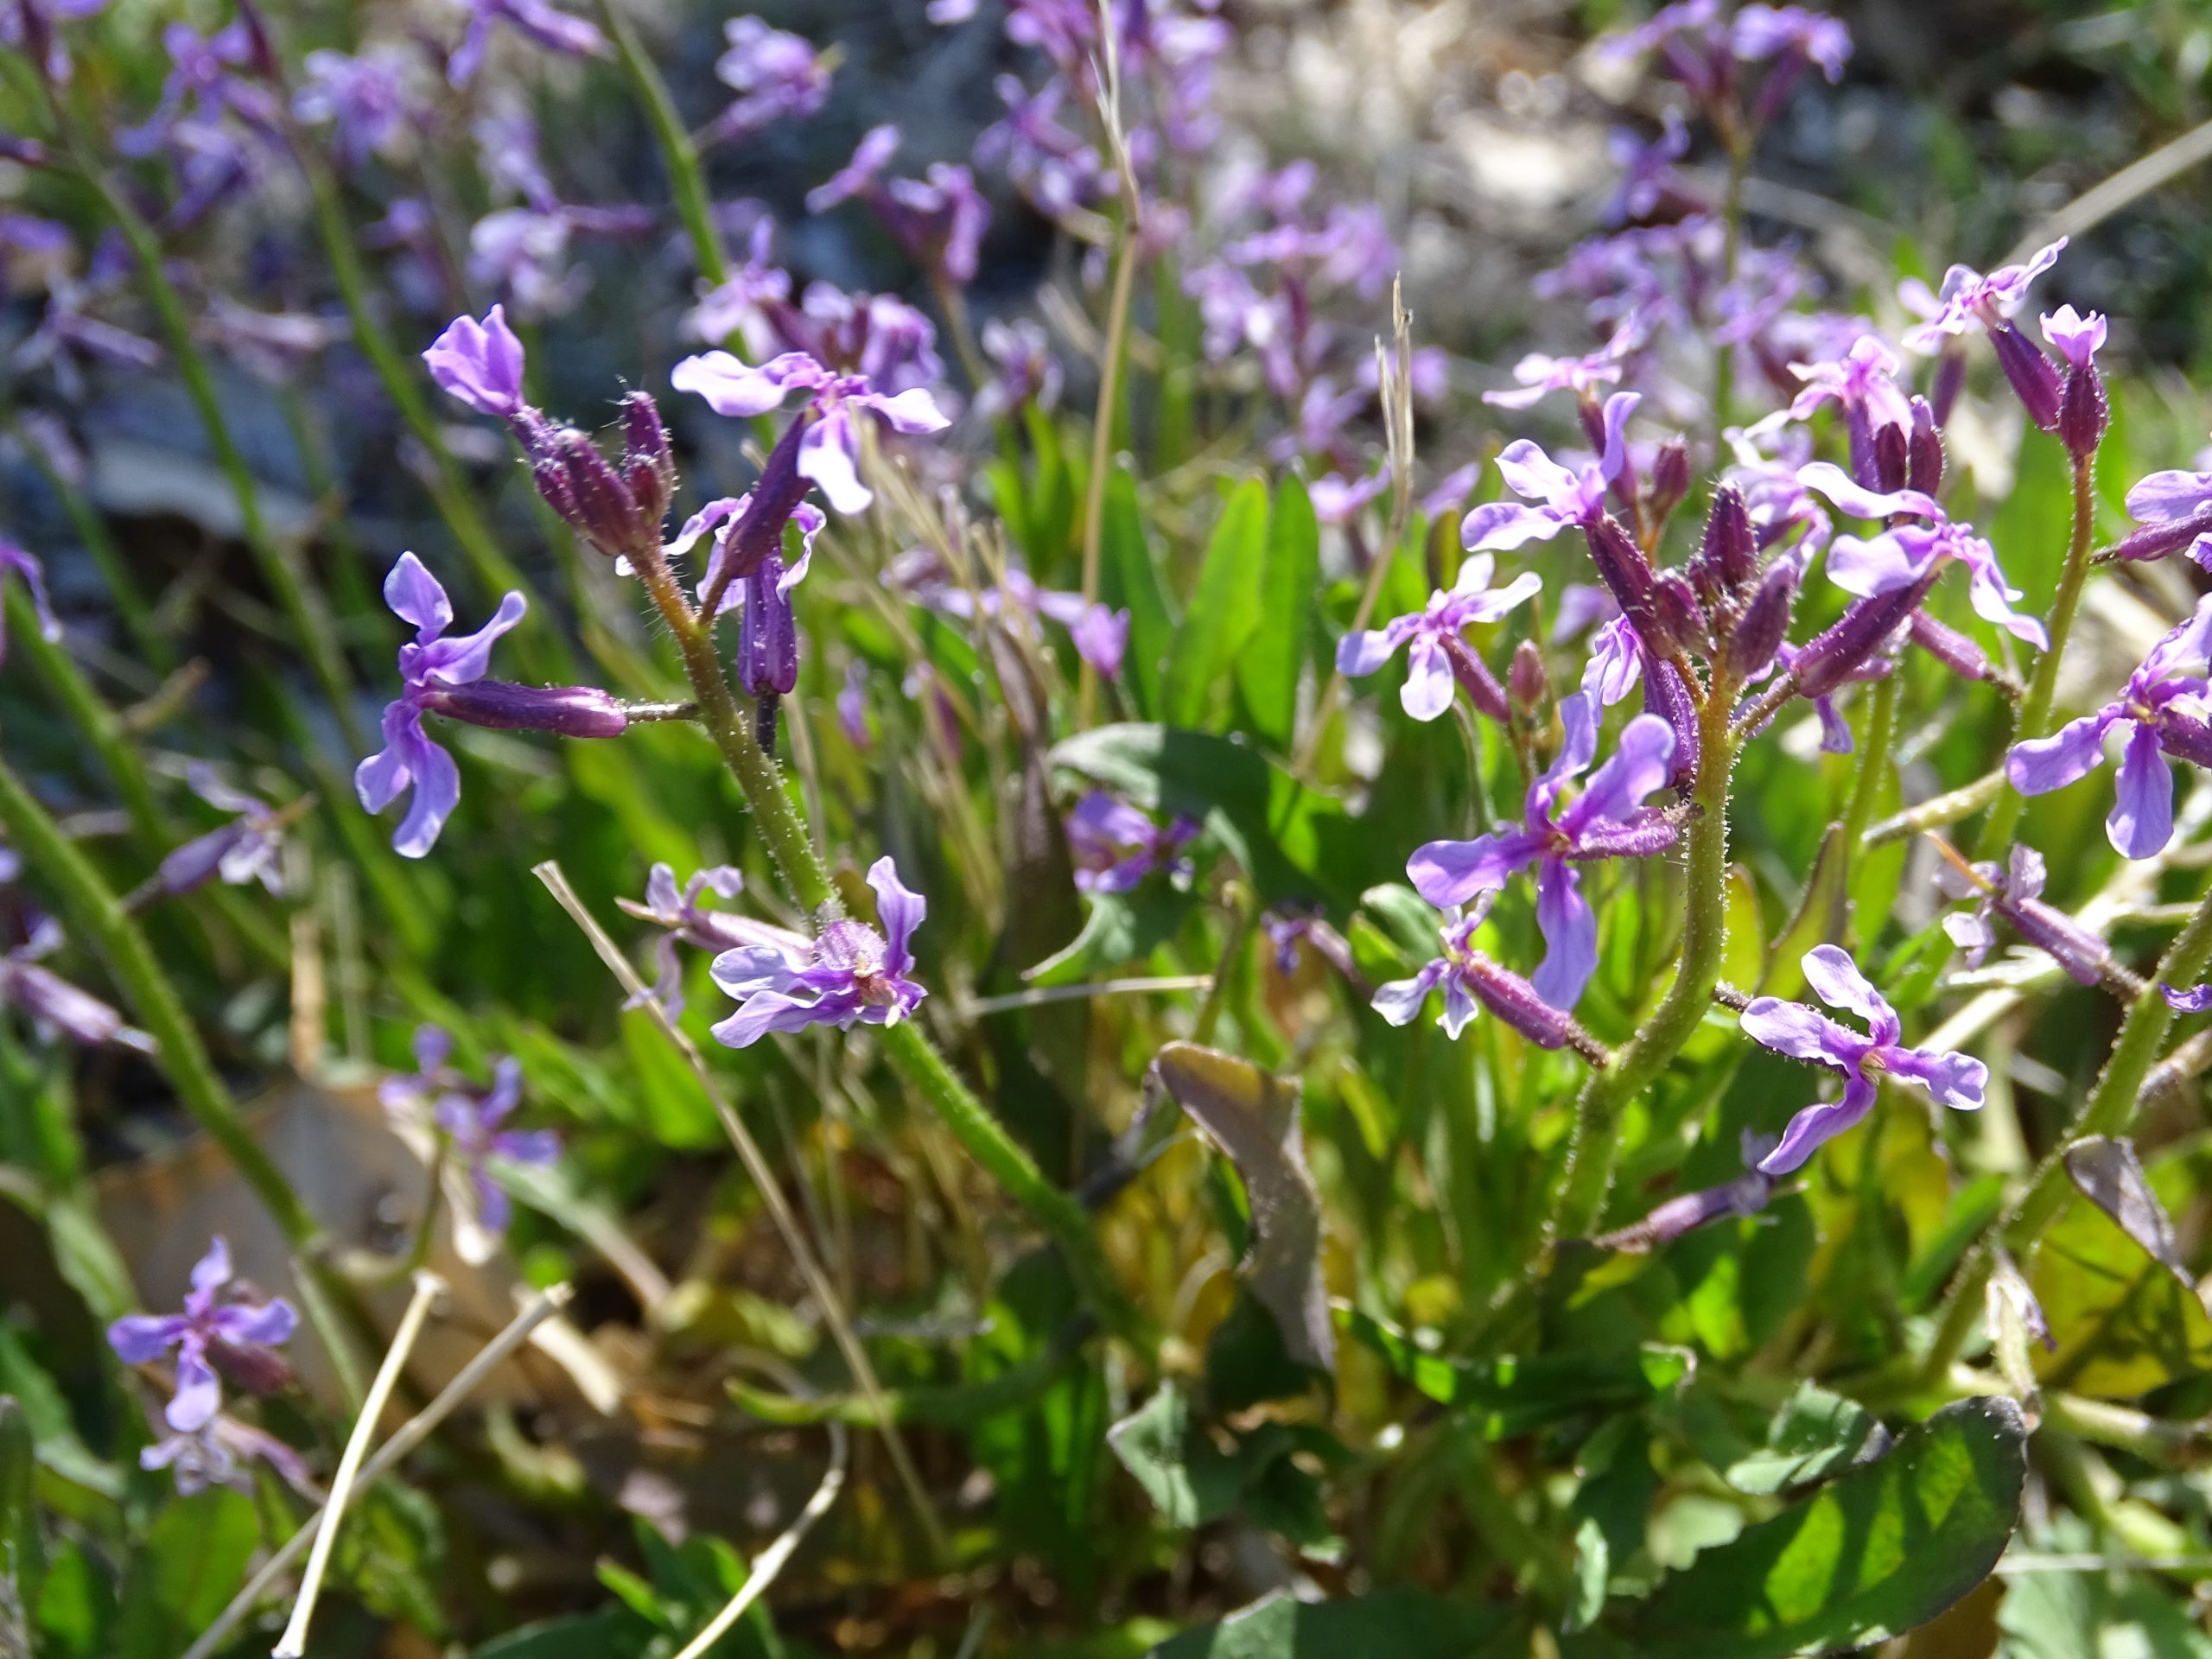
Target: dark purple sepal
2083 412
1835 656
1924 471
2156 541
1746 1195
648 461
52 1001
1670 478
1948 647
758 533
1625 838
1682 619
251 1369
564 710
1950 381
2083 955
1625 572
1474 678
2032 374
767 638
1892 459
194 864
605 511
1758 634
2184 736
1730 545
1513 999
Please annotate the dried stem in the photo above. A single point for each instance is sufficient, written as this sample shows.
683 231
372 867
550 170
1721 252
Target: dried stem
770 1562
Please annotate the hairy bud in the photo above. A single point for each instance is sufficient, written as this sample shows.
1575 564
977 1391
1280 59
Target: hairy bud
1759 632
1682 617
1924 472
1625 572
1670 478
1893 458
1665 695
758 535
1513 999
2083 414
1730 545
1525 679
564 710
1833 657
579 484
2031 373
648 462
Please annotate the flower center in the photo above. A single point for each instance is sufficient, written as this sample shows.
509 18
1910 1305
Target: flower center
856 949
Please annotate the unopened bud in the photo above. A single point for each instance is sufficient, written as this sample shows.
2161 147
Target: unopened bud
1833 657
1950 648
767 639
1624 571
2083 414
1893 458
1730 545
2030 372
261 54
648 462
1670 478
1525 679
1682 619
564 710
53 1000
757 534
254 1369
1759 632
1924 472
1474 678
605 512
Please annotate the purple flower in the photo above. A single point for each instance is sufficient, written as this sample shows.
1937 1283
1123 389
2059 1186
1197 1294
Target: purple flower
1115 846
2195 1000
1902 555
1760 31
1027 370
1616 661
480 364
1863 382
211 1334
554 30
23 565
1434 635
1471 981
51 1002
364 99
1569 498
427 664
2015 892
849 972
1102 639
938 218
685 919
1540 375
829 454
472 1123
523 252
249 848
1804 1033
32 28
1968 300
215 1454
1648 180
203 83
1744 1196
1608 819
858 175
2078 338
1055 169
1337 501
2162 710
777 76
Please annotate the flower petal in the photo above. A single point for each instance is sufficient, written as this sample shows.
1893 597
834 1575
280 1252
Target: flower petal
1453 871
2072 753
2142 818
1400 1001
1817 1124
901 909
1792 1028
1570 930
1429 687
417 596
140 1338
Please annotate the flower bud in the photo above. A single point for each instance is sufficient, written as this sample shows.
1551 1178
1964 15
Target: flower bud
1682 617
1950 381
1831 658
1670 478
564 710
767 639
577 483
1525 679
1758 634
1475 679
1893 458
1513 999
1625 572
1729 546
2030 372
648 462
1948 647
28 152
1665 695
758 535
1924 472
2156 541
2083 414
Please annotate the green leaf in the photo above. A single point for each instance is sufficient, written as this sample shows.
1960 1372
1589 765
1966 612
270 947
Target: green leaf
1224 610
1128 578
1506 1398
1409 920
1294 844
1816 1434
19 1540
192 1563
2068 1615
1122 928
1188 1478
2123 1322
54 1432
610 1633
1401 1623
1884 1550
1268 668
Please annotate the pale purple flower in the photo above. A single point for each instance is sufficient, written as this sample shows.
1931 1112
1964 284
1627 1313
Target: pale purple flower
1804 1033
1470 980
2078 338
213 1334
1616 661
216 1454
548 26
23 565
30 26
480 364
1027 370
523 252
364 99
849 972
777 76
1115 846
427 663
472 1124
1648 177
2014 891
1903 555
1569 497
1607 819
1969 301
203 83
2162 710
1433 634
53 1006
250 848
939 219
858 175
829 454
1863 383
2175 508
1540 375
1337 500
1102 639
1058 170
1760 31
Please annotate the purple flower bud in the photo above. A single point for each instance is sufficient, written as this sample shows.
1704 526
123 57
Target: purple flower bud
1729 546
479 363
1513 999
1892 459
564 710
2161 536
648 462
1948 647
1625 572
1682 619
1759 632
1665 695
767 639
1670 478
1925 471
1475 679
2030 372
2083 413
579 484
757 534
1525 679
1831 658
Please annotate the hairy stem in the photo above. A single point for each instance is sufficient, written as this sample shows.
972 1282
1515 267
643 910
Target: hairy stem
1606 1093
2043 685
2109 1111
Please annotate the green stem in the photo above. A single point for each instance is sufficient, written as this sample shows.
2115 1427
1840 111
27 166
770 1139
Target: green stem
2035 707
911 1053
686 183
281 566
1102 437
92 717
98 916
2109 1111
1607 1092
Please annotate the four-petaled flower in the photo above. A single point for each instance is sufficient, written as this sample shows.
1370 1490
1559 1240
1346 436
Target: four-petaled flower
212 1335
1115 846
472 1123
1805 1034
830 451
1434 634
1569 497
2164 709
247 849
429 661
777 76
548 26
1968 300
1608 819
848 972
480 364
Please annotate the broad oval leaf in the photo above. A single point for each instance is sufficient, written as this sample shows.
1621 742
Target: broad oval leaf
1884 1550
